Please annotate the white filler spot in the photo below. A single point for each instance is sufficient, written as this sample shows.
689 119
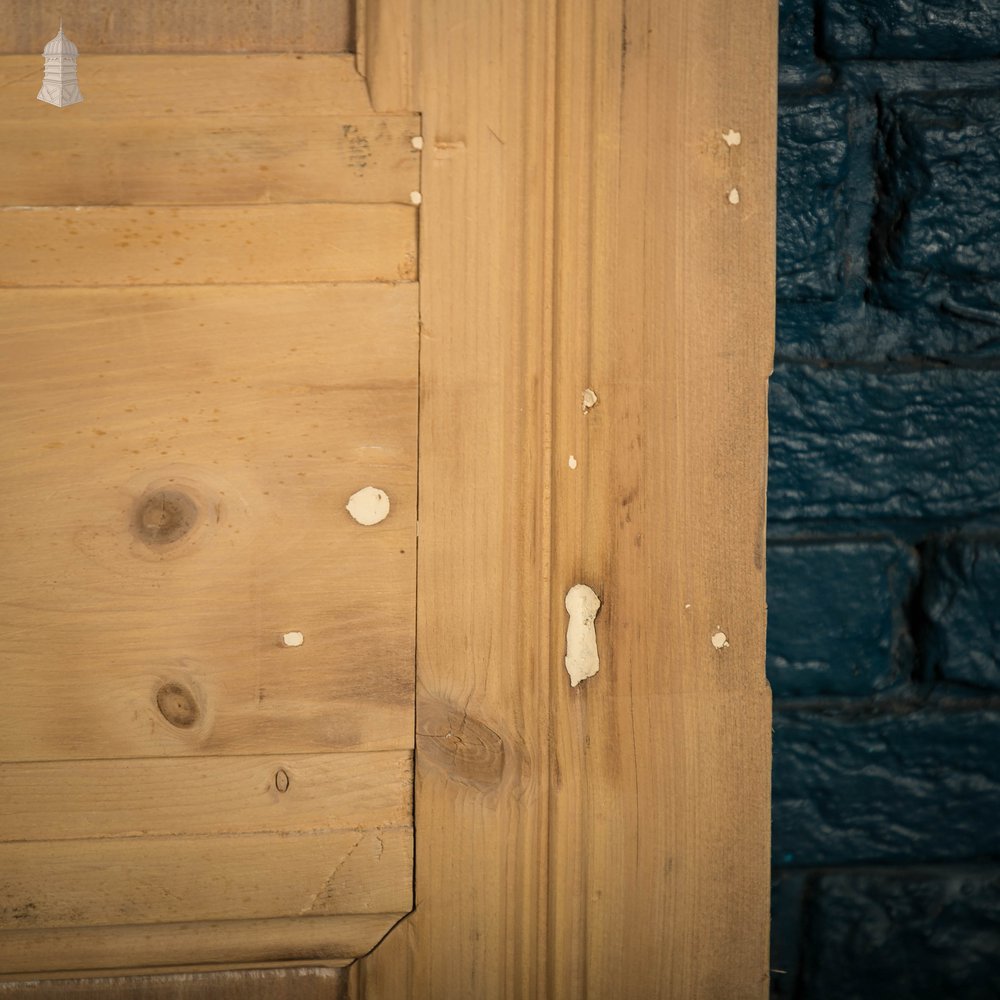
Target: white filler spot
589 399
416 197
720 640
417 142
368 506
734 197
292 639
732 138
572 462
581 639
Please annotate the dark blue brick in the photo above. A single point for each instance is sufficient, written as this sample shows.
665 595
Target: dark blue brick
787 906
961 604
796 32
924 934
935 245
910 29
812 197
919 785
853 444
835 617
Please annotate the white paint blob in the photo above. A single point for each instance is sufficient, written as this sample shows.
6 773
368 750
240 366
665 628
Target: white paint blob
572 462
734 197
416 197
732 138
720 640
417 142
368 506
589 399
582 660
292 639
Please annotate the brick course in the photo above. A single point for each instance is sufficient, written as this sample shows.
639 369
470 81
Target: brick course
884 502
836 617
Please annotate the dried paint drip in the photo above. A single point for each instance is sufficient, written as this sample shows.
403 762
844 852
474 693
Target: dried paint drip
417 142
734 197
720 640
292 639
368 506
589 399
732 137
416 197
572 461
582 660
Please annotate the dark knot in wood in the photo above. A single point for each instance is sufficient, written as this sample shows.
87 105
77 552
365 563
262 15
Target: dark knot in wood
164 516
467 749
177 705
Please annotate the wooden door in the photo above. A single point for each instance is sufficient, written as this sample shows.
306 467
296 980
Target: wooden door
596 213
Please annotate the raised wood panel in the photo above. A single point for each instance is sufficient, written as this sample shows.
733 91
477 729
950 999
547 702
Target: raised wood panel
112 26
175 86
76 159
207 245
185 787
62 800
265 408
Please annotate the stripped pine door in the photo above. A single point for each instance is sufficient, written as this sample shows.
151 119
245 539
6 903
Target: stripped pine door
596 213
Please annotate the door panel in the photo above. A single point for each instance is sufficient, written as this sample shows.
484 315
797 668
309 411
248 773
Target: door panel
209 345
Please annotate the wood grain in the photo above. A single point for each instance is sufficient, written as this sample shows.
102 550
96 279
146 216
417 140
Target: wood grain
483 623
172 160
207 130
62 800
112 399
88 247
253 984
205 943
609 840
179 85
385 42
664 306
178 459
184 878
179 25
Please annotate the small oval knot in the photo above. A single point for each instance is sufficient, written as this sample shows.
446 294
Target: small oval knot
164 516
177 705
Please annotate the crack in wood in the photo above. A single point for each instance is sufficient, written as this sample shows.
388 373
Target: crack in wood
325 895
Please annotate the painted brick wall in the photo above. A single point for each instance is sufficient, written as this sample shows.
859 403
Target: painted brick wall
884 502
